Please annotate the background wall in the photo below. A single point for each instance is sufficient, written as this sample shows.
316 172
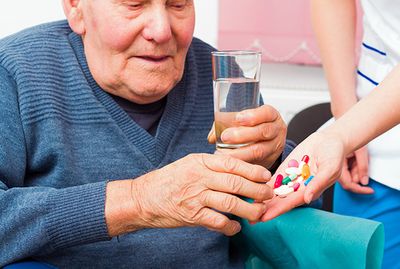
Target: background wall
19 14
281 29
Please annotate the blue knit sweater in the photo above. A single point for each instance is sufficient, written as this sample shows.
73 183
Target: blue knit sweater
62 138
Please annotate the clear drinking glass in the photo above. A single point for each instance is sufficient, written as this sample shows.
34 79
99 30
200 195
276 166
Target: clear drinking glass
236 79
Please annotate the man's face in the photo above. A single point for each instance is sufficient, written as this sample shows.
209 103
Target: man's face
137 49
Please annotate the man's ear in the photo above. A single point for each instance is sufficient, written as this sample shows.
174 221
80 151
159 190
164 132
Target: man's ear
73 12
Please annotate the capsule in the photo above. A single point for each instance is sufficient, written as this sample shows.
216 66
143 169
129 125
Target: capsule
287 179
304 161
305 171
296 186
292 170
283 191
278 181
308 180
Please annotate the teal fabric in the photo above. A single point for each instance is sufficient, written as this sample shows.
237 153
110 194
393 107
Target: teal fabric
310 238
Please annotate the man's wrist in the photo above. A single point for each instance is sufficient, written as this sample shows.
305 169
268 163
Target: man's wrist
121 211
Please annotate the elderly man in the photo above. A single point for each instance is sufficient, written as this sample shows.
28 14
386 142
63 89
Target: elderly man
99 117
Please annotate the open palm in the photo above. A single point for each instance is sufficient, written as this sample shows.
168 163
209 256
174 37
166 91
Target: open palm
326 153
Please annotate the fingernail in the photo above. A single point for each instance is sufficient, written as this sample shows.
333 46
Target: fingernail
364 180
237 228
308 197
240 117
267 175
226 136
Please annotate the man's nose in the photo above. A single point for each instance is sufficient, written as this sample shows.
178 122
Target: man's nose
158 27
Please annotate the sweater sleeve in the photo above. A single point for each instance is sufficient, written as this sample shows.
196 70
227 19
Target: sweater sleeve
38 220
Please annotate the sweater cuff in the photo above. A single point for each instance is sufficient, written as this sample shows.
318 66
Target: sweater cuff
289 147
77 215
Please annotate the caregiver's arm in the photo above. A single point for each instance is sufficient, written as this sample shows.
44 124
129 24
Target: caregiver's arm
372 116
334 24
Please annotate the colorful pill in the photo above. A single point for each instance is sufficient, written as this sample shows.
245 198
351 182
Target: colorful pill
308 180
278 181
292 170
305 159
299 179
293 163
305 171
287 179
283 191
296 186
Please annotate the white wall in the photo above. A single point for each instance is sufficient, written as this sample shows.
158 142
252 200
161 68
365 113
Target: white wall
19 14
207 21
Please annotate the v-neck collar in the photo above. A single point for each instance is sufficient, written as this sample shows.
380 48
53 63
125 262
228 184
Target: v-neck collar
153 148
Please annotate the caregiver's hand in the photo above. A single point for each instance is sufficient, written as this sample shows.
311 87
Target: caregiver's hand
355 172
326 152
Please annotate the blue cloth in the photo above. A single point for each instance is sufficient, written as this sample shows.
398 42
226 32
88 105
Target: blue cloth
382 206
63 137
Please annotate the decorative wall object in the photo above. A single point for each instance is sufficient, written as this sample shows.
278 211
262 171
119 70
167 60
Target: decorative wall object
281 29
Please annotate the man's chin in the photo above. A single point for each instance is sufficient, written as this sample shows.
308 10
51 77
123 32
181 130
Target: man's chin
148 96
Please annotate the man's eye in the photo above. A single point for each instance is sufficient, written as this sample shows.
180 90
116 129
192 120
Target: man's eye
178 5
134 6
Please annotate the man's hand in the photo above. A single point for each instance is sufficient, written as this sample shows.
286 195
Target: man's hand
265 131
192 192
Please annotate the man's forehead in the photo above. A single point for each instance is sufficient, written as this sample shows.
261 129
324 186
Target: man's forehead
147 1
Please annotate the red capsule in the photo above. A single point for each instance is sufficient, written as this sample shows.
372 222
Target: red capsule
296 186
278 181
305 158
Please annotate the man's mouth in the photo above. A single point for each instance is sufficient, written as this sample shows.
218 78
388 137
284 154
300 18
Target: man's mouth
154 58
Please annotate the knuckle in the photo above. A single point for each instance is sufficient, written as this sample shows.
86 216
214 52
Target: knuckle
197 217
266 131
258 152
204 198
272 112
258 213
230 164
283 130
280 146
234 183
255 172
229 203
264 192
219 223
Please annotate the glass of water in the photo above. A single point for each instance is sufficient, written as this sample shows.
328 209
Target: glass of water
236 79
